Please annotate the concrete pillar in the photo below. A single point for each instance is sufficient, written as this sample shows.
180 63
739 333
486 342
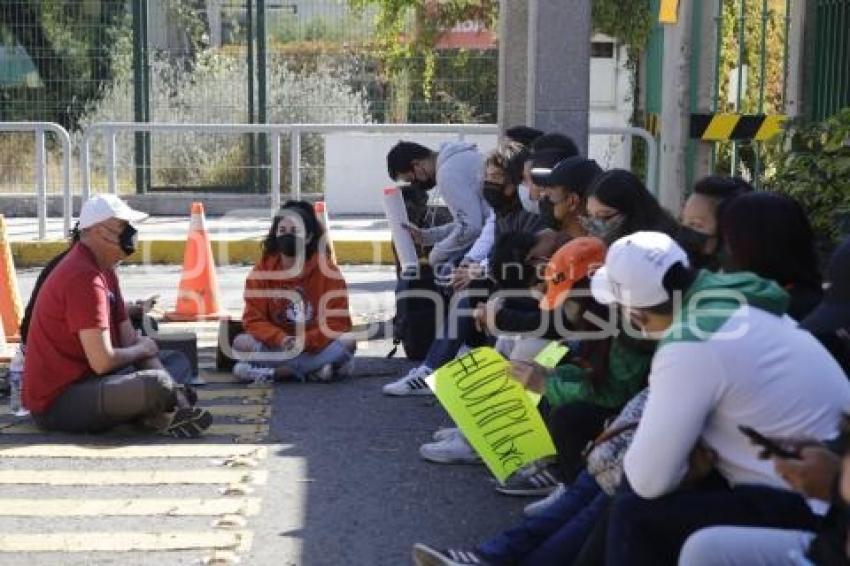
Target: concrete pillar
513 63
705 71
675 110
545 67
559 67
214 19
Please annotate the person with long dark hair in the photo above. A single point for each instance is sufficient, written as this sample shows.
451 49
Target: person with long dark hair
296 305
73 237
618 204
770 235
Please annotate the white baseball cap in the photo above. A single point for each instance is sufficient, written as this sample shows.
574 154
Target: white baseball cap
103 207
634 270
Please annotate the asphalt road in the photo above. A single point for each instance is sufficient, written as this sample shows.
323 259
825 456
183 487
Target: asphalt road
345 484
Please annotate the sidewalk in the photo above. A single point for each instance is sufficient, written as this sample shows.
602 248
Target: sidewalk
235 239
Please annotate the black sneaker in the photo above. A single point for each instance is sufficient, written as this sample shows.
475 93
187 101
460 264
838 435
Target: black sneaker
424 555
190 394
538 479
189 423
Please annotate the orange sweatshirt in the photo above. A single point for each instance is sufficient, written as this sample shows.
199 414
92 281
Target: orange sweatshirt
315 303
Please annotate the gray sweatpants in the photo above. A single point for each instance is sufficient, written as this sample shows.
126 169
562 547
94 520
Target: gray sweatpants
746 546
99 403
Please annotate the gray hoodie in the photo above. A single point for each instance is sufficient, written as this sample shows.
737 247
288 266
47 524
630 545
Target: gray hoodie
460 174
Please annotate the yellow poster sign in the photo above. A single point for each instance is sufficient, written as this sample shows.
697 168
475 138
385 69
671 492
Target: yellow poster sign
668 12
548 357
492 411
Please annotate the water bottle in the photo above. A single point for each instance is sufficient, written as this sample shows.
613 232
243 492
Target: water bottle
16 377
262 376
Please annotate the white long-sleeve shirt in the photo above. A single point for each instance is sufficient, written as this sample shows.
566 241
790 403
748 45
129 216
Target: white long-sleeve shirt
774 377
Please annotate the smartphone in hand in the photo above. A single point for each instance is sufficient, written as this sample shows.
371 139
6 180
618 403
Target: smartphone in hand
770 447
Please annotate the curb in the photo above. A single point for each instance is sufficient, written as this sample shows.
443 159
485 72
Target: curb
225 252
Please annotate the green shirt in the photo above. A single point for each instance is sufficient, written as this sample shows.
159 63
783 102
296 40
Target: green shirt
627 371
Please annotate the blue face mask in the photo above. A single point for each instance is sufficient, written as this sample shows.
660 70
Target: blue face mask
529 205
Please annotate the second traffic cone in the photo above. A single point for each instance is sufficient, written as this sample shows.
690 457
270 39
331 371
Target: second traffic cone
321 211
197 296
11 308
5 351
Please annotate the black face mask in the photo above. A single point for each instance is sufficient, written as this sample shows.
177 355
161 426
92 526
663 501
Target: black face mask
693 242
127 239
426 185
288 244
547 214
495 196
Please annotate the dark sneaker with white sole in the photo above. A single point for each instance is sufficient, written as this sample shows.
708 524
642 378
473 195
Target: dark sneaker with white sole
538 479
411 384
325 374
190 394
189 423
424 555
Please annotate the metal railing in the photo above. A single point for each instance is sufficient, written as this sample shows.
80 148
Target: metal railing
830 54
110 130
40 128
628 132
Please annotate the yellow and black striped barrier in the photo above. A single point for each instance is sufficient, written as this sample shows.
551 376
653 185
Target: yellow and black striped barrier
652 123
735 127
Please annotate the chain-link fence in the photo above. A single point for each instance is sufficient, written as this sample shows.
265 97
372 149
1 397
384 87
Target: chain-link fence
79 62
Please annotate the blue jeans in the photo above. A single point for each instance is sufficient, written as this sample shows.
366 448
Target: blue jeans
445 347
334 353
554 537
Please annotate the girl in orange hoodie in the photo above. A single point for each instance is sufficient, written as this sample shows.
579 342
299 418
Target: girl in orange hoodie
296 305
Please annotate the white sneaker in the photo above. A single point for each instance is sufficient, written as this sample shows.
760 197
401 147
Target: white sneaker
538 507
443 433
247 373
411 384
453 450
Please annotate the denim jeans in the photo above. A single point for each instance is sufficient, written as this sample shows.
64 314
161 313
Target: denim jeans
334 353
555 536
446 346
745 546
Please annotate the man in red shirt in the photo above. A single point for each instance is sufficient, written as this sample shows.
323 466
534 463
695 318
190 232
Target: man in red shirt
86 369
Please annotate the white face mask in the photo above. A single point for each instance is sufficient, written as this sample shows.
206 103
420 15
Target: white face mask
531 206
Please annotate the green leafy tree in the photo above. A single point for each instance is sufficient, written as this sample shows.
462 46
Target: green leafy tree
406 32
67 43
813 166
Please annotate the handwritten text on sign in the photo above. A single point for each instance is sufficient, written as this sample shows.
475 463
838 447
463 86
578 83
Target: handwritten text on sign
493 411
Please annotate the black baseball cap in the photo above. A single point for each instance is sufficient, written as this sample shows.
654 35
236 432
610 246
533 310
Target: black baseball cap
575 173
833 313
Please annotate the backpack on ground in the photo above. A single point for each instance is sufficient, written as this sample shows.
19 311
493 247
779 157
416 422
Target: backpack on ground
415 322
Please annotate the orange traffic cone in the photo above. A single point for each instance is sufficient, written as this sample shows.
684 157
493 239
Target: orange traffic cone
5 351
11 309
322 214
197 297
